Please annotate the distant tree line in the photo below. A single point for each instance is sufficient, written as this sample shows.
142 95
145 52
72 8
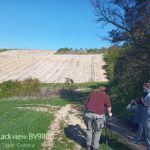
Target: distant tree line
81 51
3 49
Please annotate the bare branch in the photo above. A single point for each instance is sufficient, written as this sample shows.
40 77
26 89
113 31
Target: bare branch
130 17
108 15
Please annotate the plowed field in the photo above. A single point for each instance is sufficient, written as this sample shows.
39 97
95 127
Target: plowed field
51 68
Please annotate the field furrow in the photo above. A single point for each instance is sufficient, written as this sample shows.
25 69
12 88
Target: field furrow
51 68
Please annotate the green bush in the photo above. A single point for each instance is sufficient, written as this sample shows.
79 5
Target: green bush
63 50
3 49
30 87
111 56
19 88
96 50
128 70
132 70
10 88
81 51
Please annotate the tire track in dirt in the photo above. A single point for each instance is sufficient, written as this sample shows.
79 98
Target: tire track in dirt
67 113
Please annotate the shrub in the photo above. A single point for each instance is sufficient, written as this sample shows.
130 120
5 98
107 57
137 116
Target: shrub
30 87
19 88
111 56
10 88
63 50
129 71
132 70
81 51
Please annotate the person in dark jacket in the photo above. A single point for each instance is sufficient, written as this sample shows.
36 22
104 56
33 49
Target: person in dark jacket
146 101
95 105
137 107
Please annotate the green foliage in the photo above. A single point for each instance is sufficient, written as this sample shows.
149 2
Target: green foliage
127 70
3 49
95 50
111 56
132 70
128 67
30 86
19 88
81 51
69 84
64 50
10 88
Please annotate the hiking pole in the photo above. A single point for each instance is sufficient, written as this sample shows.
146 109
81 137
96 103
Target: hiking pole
106 135
93 129
106 125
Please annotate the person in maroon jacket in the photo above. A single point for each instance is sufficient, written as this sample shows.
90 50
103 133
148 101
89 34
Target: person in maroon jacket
94 115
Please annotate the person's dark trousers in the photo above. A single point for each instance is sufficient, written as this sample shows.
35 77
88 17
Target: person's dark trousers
94 124
147 131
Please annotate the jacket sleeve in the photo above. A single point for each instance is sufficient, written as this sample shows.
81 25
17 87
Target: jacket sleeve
87 100
107 101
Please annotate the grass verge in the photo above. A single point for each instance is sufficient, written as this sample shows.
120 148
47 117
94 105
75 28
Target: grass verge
22 129
56 101
112 142
61 141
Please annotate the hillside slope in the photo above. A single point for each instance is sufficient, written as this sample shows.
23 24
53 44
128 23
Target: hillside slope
51 68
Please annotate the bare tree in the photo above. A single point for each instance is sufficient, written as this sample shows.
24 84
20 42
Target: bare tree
130 17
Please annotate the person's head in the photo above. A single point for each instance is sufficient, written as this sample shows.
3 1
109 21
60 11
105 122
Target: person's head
101 89
146 87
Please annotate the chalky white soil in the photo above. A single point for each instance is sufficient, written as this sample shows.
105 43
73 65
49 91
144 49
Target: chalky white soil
51 68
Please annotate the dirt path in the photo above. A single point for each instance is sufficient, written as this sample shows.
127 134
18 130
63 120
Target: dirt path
67 113
126 133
